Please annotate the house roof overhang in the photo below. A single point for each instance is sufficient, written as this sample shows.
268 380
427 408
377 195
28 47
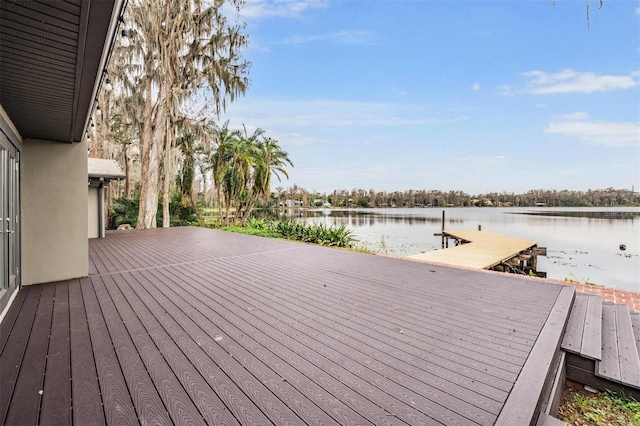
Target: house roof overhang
104 170
52 57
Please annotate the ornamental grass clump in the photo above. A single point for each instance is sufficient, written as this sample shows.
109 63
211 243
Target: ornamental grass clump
316 233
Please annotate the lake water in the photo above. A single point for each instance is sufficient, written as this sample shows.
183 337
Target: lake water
582 243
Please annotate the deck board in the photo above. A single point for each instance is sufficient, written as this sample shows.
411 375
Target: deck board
56 407
574 333
14 350
25 403
9 320
194 325
250 374
635 321
343 357
147 401
592 338
444 316
609 366
627 352
244 410
248 344
119 408
357 328
206 401
85 390
483 250
312 357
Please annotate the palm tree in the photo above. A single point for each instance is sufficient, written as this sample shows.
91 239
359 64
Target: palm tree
270 159
223 139
237 173
191 150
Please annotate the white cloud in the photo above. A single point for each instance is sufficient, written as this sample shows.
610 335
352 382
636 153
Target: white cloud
638 11
542 106
272 114
506 90
606 133
476 86
399 92
260 9
569 81
475 159
574 116
346 37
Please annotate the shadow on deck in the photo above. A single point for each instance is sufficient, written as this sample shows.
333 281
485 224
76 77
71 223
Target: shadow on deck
195 326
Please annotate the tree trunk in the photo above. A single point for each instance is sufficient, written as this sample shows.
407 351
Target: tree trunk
227 201
219 203
127 171
168 176
247 212
145 156
155 139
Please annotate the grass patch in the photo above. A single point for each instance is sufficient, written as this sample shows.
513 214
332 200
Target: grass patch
251 231
581 408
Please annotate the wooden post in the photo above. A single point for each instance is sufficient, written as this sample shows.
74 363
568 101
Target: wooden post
442 239
479 227
534 262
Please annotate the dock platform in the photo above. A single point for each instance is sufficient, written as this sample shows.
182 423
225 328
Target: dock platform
483 250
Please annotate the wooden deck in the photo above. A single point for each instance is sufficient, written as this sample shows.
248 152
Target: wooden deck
195 326
483 251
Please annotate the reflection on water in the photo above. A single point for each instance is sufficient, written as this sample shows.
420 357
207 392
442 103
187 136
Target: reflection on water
583 243
582 213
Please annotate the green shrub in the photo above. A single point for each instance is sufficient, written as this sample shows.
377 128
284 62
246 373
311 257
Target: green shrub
123 210
300 231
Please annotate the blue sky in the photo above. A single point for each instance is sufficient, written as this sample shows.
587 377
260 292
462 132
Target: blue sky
476 96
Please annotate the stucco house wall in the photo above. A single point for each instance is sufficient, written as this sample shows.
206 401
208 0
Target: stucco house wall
54 211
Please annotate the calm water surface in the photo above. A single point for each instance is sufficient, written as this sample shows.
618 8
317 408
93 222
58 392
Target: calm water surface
582 247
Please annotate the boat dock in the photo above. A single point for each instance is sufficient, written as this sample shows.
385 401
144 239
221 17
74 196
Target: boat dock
486 250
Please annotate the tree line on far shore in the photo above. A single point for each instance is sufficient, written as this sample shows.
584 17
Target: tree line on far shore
609 197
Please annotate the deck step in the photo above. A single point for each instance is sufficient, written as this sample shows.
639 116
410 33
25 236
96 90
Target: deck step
620 361
583 335
547 420
635 323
